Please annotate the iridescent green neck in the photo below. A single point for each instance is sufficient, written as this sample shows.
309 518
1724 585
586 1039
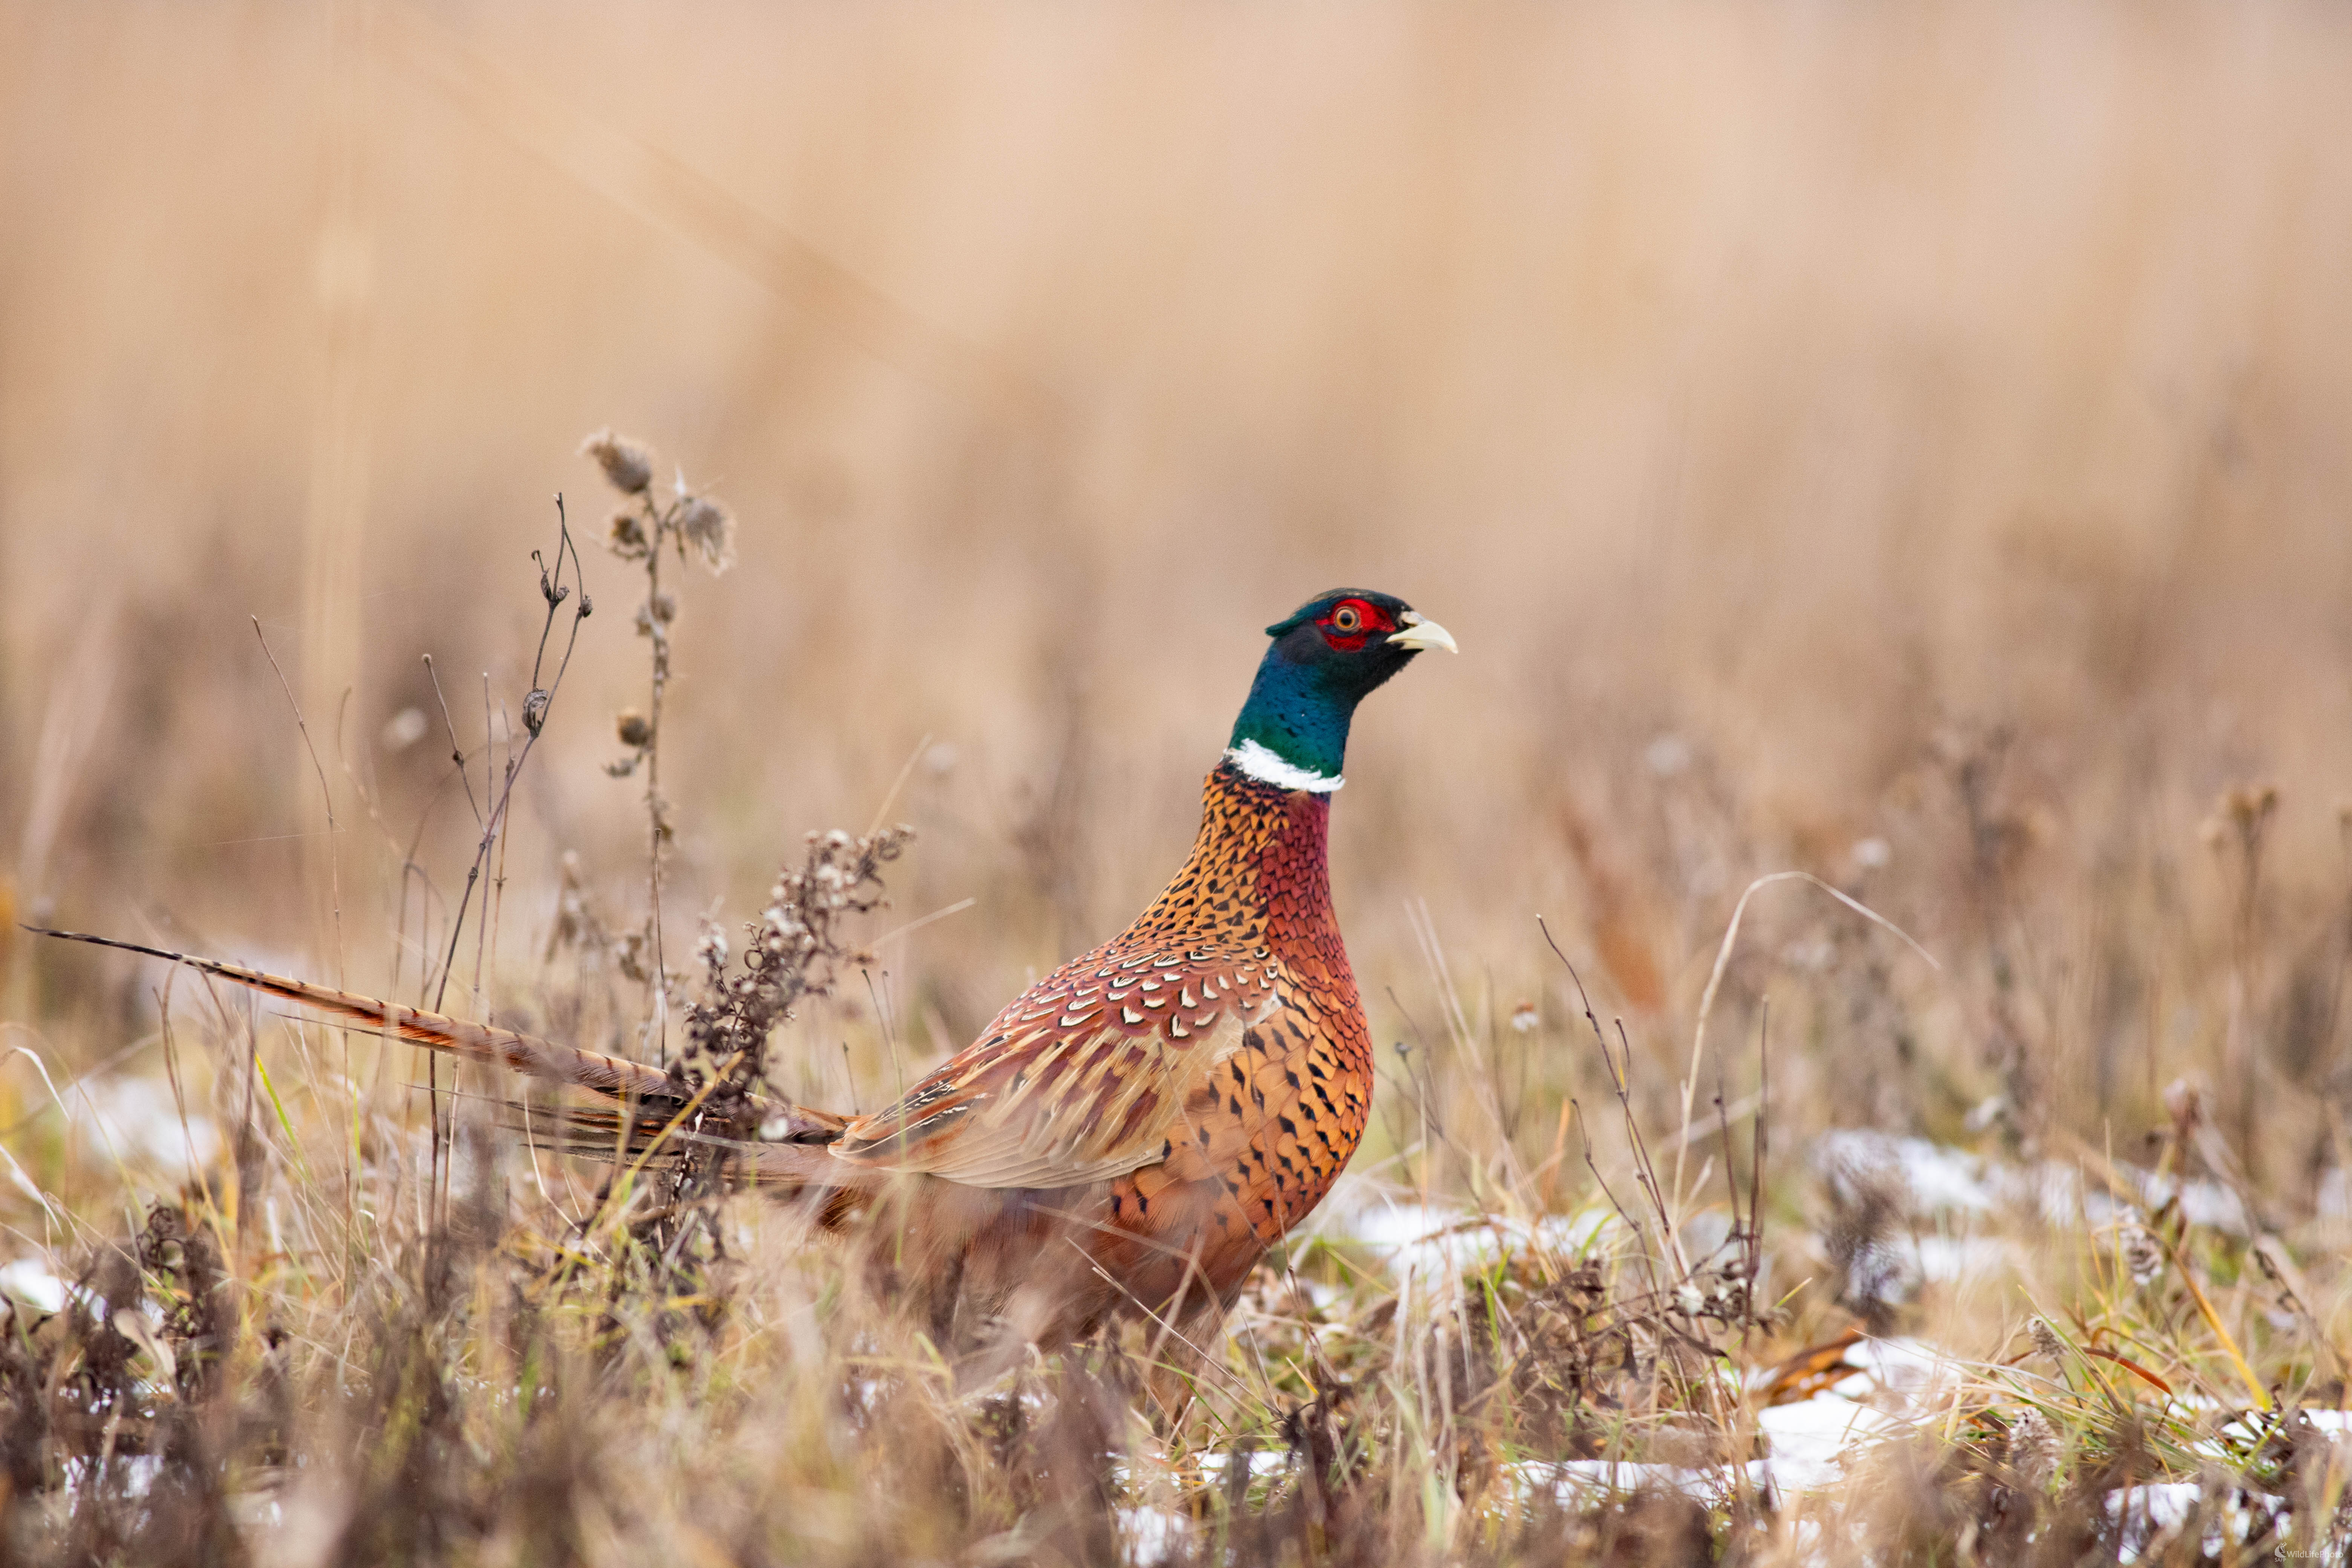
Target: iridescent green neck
1293 730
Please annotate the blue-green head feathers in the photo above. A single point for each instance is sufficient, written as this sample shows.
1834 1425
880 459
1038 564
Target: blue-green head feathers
1324 658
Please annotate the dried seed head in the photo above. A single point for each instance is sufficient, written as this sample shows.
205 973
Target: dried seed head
628 467
575 923
2240 813
534 708
2033 1448
624 536
2046 1339
632 726
710 532
2248 804
1867 1235
2143 1256
2184 1101
629 956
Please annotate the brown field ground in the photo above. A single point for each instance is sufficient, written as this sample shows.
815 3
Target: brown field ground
1910 445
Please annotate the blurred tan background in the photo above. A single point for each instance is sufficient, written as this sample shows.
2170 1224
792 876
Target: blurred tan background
1906 445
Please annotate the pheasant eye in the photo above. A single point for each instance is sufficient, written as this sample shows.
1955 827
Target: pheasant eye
1347 618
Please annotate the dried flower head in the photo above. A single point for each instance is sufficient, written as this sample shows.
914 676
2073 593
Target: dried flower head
708 531
2033 1448
2239 815
578 927
1867 1235
796 945
534 708
2143 1256
626 535
2248 804
712 949
2045 1339
2184 1101
628 466
632 726
630 954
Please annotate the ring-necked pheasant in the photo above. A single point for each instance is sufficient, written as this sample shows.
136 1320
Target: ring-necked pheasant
1139 1127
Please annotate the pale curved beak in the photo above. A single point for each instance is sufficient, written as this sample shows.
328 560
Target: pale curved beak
1419 632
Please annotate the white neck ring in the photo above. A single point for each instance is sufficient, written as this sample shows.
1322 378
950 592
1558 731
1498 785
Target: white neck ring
1261 762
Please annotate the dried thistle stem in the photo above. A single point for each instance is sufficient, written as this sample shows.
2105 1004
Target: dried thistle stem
638 532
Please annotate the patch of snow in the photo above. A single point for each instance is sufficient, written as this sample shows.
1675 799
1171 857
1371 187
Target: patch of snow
2202 1200
137 1120
1153 1533
1705 1234
1810 1441
28 1280
1895 1374
137 1473
2151 1518
2336 1194
1265 1464
1949 1258
2211 1203
1582 1481
1812 1438
1904 1369
2052 1189
1941 1180
1938 1176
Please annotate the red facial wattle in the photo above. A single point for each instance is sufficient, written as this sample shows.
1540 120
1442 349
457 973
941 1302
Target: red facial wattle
1349 624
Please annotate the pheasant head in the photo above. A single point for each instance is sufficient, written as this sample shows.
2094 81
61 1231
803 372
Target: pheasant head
1326 657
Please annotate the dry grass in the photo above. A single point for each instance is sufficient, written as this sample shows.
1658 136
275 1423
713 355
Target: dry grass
1904 447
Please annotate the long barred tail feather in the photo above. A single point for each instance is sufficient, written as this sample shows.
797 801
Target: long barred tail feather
651 1128
790 1147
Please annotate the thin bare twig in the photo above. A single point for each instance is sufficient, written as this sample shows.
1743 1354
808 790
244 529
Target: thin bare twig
334 869
1723 961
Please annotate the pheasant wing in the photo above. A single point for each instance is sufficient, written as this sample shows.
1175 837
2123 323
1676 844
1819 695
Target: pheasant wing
1088 1075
